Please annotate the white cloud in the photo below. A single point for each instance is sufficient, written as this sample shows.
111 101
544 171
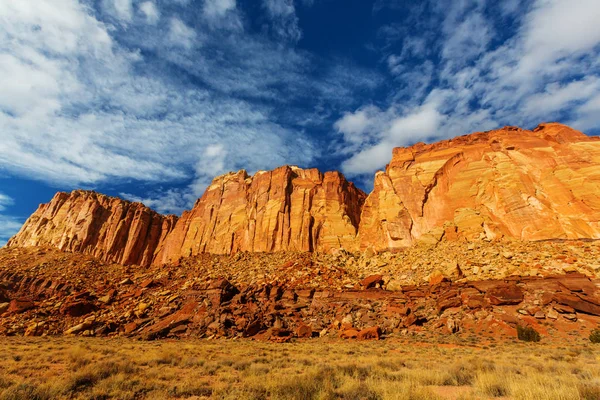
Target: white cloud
284 21
218 8
121 9
388 129
5 201
548 67
74 109
8 225
556 96
556 29
354 125
150 11
461 44
180 34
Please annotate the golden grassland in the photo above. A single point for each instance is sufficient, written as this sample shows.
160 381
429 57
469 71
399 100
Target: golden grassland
94 368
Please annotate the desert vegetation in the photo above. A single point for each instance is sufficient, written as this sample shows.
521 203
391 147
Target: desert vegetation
89 368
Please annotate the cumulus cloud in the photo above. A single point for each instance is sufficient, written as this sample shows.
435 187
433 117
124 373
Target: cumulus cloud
120 9
468 80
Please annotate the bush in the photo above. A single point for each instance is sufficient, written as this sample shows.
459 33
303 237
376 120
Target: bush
595 336
527 334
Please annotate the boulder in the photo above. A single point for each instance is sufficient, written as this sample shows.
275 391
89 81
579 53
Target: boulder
579 303
372 333
349 334
372 281
77 308
18 306
303 331
505 294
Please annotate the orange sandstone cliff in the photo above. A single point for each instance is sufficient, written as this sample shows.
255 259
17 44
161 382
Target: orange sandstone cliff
507 183
112 229
513 183
285 209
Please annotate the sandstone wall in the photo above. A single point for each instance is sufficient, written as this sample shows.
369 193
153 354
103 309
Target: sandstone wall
112 229
508 183
285 209
513 183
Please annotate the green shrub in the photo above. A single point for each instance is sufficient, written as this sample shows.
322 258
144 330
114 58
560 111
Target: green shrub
528 334
595 336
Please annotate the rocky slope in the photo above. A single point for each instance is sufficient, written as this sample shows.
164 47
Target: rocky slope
282 295
111 229
511 183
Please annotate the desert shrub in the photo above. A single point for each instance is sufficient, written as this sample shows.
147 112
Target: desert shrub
589 390
528 334
492 384
25 391
5 382
93 373
460 375
358 372
357 391
595 336
320 384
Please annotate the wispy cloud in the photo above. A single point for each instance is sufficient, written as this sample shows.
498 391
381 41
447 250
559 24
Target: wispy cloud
8 225
154 91
470 80
150 11
284 21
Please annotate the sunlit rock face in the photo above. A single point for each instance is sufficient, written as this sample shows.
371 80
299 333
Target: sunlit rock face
285 209
508 183
512 183
109 228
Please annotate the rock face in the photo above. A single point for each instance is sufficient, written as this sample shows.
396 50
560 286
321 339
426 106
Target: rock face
512 183
285 209
111 229
508 183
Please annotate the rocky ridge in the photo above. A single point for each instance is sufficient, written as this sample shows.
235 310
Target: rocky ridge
507 183
511 183
289 209
109 228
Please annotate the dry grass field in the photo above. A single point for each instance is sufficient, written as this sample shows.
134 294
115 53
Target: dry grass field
77 368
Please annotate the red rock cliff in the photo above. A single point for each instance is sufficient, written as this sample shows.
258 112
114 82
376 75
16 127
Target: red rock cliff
285 209
112 229
510 182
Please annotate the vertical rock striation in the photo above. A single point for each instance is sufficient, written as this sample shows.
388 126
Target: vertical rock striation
109 228
285 209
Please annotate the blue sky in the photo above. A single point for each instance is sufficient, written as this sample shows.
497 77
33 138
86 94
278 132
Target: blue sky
149 99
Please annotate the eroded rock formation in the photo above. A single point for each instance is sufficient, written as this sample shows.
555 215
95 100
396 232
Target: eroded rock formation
508 183
285 209
109 228
512 183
